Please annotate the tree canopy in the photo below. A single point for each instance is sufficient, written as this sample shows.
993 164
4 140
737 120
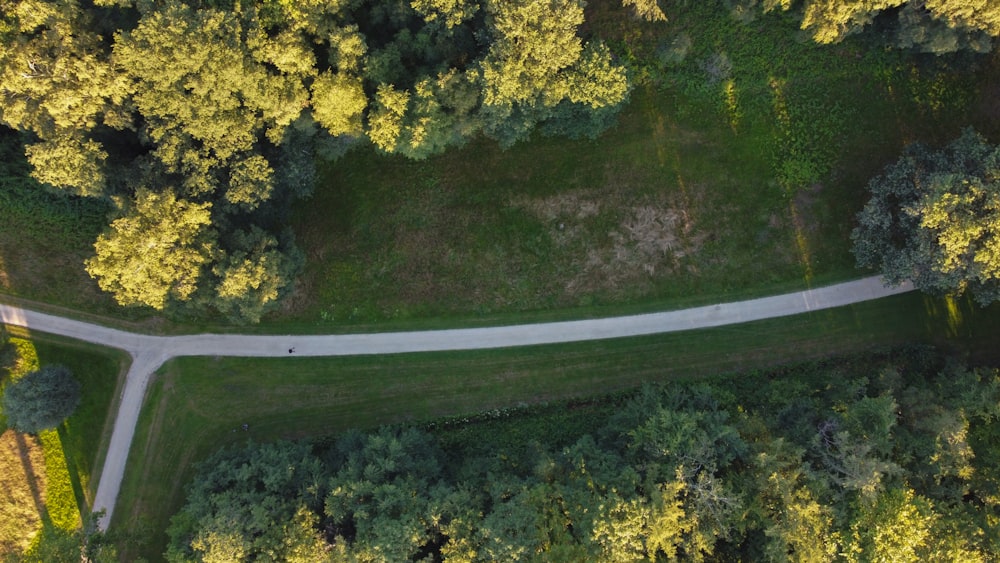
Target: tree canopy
210 114
224 106
934 26
934 218
41 399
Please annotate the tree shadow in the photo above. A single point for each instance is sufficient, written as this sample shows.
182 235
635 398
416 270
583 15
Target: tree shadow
31 479
73 469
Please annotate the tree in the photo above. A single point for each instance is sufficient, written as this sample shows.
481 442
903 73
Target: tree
251 276
934 218
648 10
896 526
338 103
451 12
380 500
830 21
536 62
41 399
155 252
55 71
252 503
203 96
69 162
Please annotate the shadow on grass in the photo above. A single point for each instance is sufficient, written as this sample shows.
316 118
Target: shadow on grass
30 478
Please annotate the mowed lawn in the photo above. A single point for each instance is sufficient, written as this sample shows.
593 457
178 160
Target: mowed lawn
49 480
197 405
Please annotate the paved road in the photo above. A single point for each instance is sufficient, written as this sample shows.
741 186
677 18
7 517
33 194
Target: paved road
149 352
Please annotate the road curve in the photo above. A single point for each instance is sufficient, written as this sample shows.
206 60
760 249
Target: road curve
150 352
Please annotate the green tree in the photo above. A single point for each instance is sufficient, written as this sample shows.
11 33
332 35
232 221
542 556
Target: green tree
203 96
156 252
251 181
797 524
856 446
338 102
830 21
895 527
41 399
641 528
380 500
935 26
251 276
251 503
451 12
55 71
934 218
537 61
648 10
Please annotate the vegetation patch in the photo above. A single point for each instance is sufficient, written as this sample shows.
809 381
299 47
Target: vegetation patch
876 456
50 473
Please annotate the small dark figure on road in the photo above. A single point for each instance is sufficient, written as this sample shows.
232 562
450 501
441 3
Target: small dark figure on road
291 350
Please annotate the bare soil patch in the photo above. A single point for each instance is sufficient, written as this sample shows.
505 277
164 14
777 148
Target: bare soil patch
614 240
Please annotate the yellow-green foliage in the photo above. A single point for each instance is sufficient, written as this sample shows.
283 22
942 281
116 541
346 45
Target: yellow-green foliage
338 102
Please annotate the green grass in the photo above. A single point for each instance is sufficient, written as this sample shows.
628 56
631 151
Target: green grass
72 454
197 405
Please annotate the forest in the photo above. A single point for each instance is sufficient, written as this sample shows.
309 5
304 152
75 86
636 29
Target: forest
200 123
885 457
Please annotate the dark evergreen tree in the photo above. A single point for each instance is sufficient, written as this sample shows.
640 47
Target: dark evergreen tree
41 399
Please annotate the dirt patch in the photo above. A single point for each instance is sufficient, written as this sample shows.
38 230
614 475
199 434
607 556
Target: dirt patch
611 242
22 491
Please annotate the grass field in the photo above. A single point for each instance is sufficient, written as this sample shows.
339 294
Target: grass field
199 404
47 479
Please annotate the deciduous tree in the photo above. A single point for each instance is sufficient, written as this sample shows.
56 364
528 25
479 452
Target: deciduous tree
156 252
934 218
251 503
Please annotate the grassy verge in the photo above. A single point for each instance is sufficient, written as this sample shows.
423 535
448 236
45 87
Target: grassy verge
48 478
199 404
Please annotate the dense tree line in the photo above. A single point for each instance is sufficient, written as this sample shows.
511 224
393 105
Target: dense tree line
860 460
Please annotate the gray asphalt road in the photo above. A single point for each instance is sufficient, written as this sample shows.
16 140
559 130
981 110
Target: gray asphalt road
149 352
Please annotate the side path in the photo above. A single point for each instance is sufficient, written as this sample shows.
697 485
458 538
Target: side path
150 352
